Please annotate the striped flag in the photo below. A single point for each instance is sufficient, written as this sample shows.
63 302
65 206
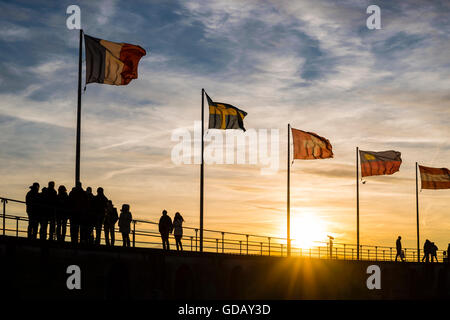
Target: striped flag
434 178
379 163
225 116
111 62
308 145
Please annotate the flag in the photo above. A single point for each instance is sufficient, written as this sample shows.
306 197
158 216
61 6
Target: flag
308 145
111 62
225 116
379 163
434 178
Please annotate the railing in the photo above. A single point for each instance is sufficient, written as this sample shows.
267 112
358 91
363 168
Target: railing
145 234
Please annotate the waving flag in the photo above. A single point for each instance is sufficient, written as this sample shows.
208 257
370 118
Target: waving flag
308 146
434 178
225 116
110 62
379 163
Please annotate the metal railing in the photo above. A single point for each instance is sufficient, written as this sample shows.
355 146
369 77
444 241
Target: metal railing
145 234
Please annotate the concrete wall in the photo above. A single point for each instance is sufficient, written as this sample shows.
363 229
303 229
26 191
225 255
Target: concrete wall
34 270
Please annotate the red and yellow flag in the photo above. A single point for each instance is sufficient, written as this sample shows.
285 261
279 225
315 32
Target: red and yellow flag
434 178
379 163
308 146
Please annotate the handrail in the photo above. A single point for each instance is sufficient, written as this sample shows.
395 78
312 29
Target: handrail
242 243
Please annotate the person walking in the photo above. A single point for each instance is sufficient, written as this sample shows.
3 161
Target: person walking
426 251
111 218
31 200
433 252
398 245
165 227
178 230
124 224
78 205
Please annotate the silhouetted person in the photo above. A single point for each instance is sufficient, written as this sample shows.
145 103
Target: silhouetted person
448 253
111 218
31 200
62 213
398 245
51 209
124 224
78 202
87 219
100 203
426 251
433 252
165 227
43 213
178 230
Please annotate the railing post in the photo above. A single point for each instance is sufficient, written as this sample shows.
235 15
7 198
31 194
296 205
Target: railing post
352 253
405 254
191 241
223 240
134 233
17 227
269 246
360 250
261 248
336 255
240 246
383 256
376 253
4 215
196 231
368 254
247 242
281 249
391 252
344 252
217 245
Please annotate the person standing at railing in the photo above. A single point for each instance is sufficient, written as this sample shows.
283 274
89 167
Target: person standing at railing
62 213
100 203
165 227
78 204
110 222
31 200
51 202
87 219
43 214
178 230
125 224
398 245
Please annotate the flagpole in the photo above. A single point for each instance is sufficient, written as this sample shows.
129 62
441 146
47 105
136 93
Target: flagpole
77 156
202 174
289 193
357 204
417 214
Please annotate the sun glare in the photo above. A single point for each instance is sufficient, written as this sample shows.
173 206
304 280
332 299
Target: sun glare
306 230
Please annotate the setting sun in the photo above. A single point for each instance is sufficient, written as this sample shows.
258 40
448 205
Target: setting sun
306 230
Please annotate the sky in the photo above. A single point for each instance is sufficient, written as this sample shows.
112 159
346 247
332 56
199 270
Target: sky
313 64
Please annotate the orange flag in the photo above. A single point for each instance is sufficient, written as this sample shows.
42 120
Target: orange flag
308 146
434 178
379 163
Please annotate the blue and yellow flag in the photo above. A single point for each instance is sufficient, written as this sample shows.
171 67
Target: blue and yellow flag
225 116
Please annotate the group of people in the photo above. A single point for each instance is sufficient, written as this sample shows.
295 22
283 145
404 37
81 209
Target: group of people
49 211
429 249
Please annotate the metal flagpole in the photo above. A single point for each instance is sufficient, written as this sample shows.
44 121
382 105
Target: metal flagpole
417 215
202 175
357 204
77 157
289 193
